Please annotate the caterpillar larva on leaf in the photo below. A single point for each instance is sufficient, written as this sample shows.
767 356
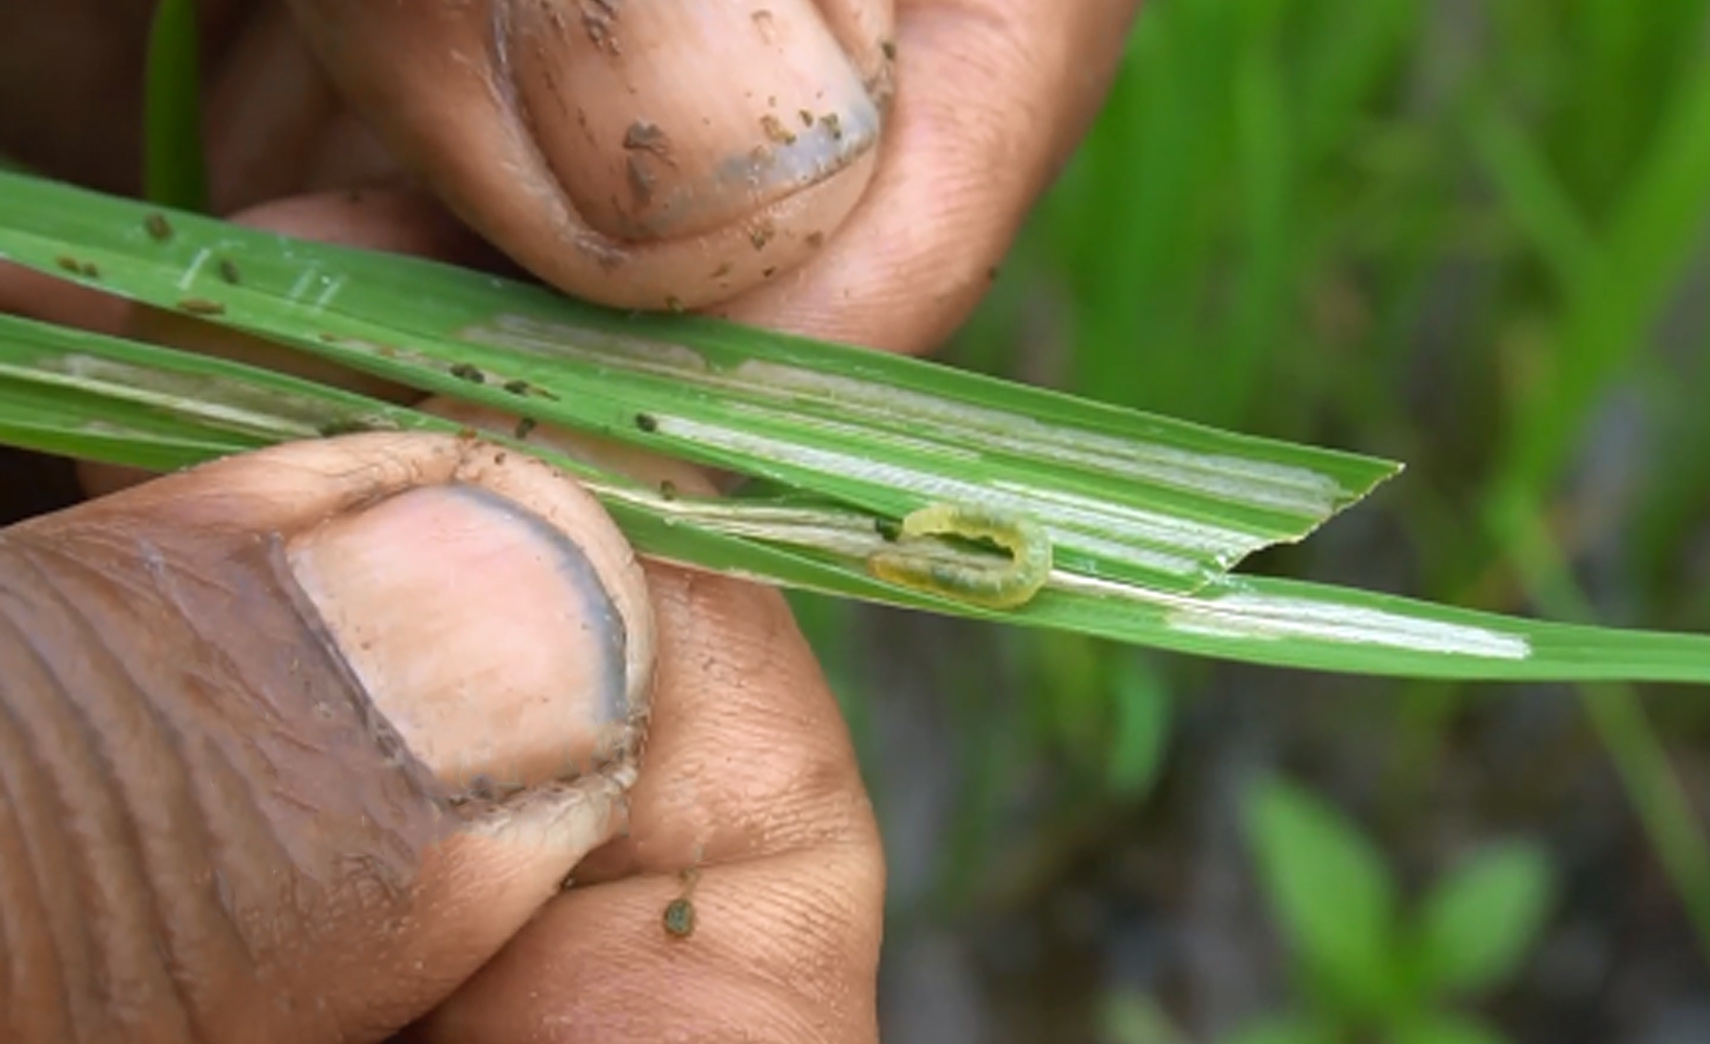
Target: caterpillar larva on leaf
930 565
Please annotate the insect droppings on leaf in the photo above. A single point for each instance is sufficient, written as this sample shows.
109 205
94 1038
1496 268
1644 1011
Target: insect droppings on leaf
524 426
516 387
228 270
344 426
159 229
202 306
647 422
466 372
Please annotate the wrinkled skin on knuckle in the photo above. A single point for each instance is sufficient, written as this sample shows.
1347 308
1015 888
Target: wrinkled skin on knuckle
180 819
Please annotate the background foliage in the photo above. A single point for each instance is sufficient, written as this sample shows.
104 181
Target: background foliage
1468 234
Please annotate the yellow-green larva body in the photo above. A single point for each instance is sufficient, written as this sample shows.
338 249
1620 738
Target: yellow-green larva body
1004 586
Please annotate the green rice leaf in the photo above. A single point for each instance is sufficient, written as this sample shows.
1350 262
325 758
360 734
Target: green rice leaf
1146 515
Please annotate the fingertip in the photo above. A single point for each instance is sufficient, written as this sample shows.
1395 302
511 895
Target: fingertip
610 152
991 97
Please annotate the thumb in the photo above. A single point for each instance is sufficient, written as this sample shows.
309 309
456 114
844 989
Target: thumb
292 743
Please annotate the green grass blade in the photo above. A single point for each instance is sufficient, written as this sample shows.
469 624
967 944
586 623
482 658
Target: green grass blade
1650 242
174 173
1618 716
1263 121
1348 51
849 437
1140 498
71 391
1539 202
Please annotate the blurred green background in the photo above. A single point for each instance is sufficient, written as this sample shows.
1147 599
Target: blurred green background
1467 234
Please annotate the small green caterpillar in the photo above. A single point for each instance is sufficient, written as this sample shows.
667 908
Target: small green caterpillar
1003 586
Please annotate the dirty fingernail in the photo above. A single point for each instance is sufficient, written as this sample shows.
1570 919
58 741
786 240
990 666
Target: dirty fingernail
493 641
669 120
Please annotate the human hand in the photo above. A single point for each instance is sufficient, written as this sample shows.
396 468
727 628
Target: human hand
516 113
294 743
748 773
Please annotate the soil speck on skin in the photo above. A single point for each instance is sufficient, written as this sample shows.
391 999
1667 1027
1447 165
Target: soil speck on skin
647 137
766 25
645 142
889 49
722 270
776 130
159 229
680 918
832 123
201 306
760 235
599 21
816 239
640 182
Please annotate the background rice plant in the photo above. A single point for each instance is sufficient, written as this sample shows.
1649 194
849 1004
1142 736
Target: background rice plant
1468 234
